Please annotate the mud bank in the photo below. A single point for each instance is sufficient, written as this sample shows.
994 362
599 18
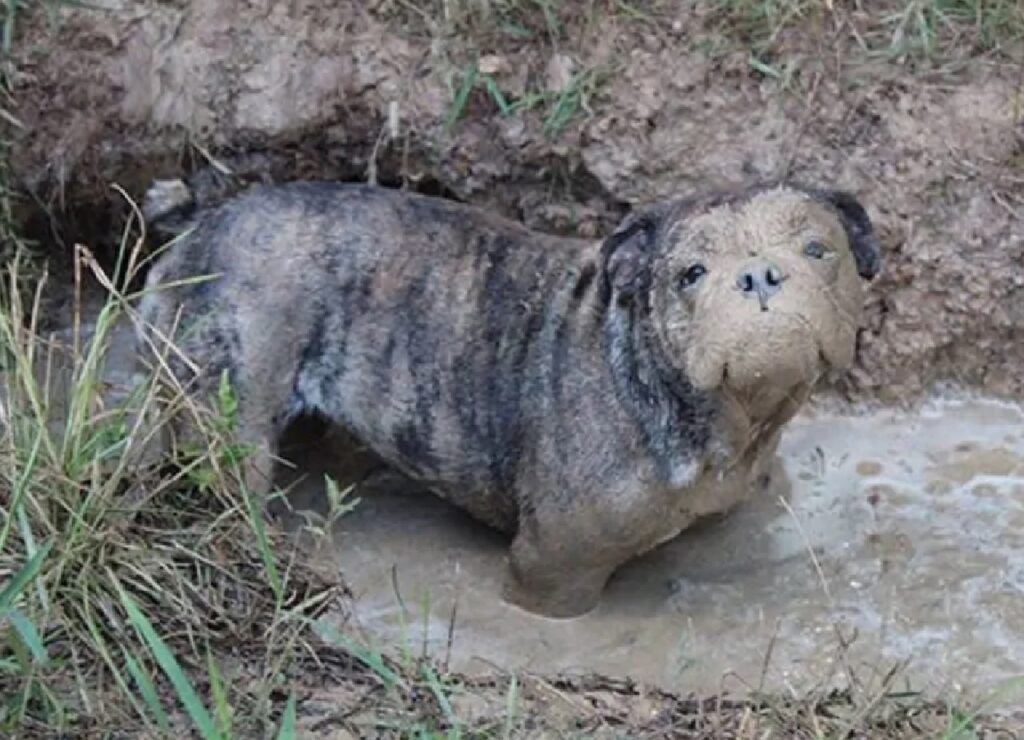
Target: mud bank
616 109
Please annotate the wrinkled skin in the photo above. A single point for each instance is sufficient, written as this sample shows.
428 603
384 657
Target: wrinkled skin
591 399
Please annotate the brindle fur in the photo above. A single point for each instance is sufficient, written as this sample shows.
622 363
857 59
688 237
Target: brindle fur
518 375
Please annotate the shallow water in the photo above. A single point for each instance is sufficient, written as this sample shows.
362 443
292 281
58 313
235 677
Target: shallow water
915 522
901 534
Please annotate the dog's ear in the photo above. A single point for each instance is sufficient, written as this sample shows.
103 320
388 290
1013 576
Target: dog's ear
859 230
626 254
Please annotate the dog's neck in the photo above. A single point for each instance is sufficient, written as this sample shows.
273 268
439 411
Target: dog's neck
674 420
672 416
750 417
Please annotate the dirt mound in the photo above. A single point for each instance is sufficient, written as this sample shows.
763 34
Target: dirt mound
562 120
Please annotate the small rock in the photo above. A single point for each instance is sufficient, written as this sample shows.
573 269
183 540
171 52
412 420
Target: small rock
559 72
492 64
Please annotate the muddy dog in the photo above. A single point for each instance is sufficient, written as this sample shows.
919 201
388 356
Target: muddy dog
589 398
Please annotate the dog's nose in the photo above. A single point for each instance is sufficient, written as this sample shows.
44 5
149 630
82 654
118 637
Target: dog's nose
760 280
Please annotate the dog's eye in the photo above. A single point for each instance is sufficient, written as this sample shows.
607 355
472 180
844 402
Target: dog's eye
692 274
816 250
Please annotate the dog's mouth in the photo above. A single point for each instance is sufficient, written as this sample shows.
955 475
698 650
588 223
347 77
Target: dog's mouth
780 373
762 396
823 366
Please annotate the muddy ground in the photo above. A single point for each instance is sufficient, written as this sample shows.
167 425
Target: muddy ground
565 120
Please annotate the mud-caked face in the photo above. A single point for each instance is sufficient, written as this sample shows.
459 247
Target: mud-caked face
760 291
765 290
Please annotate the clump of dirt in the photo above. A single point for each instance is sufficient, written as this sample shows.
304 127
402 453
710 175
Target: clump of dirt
603 109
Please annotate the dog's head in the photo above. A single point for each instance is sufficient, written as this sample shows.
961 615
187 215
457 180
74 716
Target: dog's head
752 290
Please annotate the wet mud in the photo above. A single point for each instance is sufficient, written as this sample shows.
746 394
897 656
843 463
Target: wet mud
887 537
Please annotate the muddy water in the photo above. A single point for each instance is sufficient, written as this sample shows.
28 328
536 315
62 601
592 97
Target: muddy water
902 534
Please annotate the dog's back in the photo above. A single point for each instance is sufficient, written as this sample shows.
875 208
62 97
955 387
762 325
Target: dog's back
422 325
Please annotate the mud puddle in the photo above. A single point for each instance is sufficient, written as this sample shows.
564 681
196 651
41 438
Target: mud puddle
899 533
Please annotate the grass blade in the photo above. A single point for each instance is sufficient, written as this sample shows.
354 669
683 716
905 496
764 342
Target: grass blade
28 633
220 696
288 721
442 699
258 528
171 668
23 577
497 95
511 700
20 487
765 69
8 30
148 691
461 97
104 654
964 721
372 659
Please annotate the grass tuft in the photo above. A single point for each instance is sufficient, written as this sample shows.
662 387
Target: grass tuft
923 32
935 28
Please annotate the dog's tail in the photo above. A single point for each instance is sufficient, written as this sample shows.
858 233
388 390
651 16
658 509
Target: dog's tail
169 207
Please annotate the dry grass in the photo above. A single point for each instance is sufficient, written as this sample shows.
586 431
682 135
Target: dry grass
892 39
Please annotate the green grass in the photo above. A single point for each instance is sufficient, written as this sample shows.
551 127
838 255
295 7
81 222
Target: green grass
934 28
469 30
13 12
494 20
559 109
